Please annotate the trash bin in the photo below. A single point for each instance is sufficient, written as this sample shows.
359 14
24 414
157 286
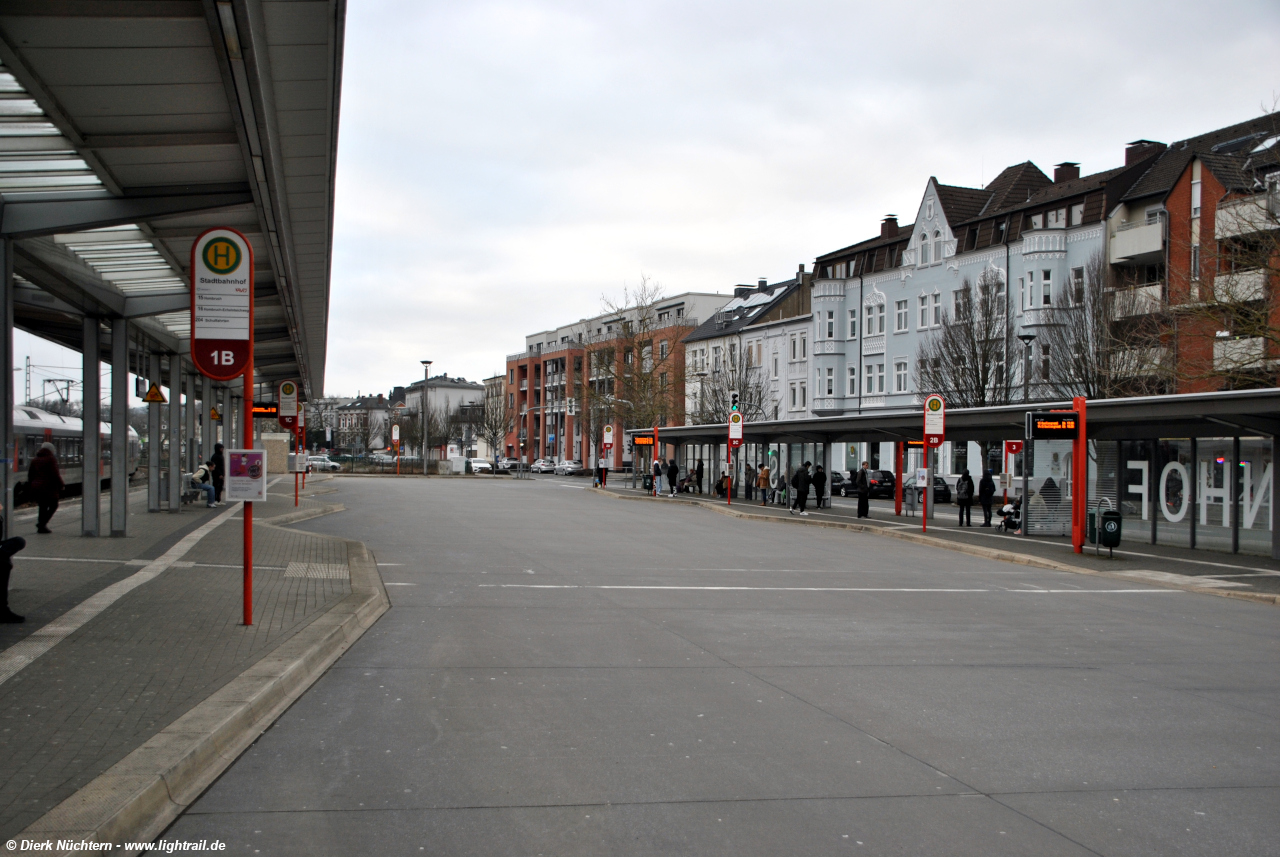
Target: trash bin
648 482
1110 525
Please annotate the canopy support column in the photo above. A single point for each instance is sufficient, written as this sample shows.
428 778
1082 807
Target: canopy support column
206 422
119 427
7 391
154 435
175 433
90 428
190 420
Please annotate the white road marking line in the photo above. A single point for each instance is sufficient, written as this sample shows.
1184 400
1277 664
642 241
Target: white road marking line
816 589
398 584
19 655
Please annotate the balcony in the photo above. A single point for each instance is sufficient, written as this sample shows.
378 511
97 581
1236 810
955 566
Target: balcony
1138 242
1139 300
1037 316
524 384
1238 355
1043 241
1246 216
1140 362
873 344
1241 286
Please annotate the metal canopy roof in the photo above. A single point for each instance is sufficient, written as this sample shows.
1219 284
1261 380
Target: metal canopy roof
1224 414
159 119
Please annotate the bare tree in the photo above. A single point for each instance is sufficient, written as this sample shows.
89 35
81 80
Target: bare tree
737 374
495 421
1101 341
965 361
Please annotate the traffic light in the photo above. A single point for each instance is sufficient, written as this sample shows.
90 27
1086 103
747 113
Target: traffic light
733 400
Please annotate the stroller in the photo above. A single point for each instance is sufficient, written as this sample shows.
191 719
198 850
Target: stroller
1011 516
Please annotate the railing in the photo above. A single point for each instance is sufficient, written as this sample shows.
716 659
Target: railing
1139 300
524 384
1137 239
1246 216
873 344
1238 354
1241 286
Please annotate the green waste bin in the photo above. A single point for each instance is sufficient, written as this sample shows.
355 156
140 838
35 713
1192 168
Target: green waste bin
648 482
1110 524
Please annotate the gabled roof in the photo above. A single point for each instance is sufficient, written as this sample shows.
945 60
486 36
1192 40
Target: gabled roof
962 203
904 234
1014 185
1051 192
742 311
1238 170
1164 173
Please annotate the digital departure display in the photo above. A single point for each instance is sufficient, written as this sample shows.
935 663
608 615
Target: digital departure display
1052 425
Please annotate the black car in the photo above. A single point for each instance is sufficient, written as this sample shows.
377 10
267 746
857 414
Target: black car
941 490
883 484
836 487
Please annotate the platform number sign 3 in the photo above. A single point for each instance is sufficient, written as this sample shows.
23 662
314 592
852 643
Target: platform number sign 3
221 303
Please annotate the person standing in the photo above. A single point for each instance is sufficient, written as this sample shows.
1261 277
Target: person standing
46 485
986 491
657 476
217 473
673 471
800 481
862 484
749 482
964 498
698 474
762 482
7 549
819 484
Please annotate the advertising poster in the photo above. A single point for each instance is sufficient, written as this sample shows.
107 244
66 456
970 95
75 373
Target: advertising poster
246 475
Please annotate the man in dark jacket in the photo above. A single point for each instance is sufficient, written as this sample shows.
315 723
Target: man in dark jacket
986 491
7 549
673 472
698 474
964 499
657 476
862 484
218 472
819 484
800 480
45 483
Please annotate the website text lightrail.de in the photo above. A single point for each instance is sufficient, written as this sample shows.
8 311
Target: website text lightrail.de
63 846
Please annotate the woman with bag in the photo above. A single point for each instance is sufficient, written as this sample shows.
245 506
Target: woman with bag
46 485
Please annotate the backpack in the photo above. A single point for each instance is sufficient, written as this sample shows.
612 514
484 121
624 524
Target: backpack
964 489
795 480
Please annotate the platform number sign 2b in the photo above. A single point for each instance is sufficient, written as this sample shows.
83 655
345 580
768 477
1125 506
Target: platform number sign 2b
221 303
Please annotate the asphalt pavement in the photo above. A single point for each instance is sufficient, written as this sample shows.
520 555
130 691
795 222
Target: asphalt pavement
565 673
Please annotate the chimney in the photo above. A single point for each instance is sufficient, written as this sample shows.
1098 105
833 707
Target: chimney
1065 172
762 285
889 226
1140 150
741 291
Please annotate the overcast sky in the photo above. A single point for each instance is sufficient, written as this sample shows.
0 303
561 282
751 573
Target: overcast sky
504 165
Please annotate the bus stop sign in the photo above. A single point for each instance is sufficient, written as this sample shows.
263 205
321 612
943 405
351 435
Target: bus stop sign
221 303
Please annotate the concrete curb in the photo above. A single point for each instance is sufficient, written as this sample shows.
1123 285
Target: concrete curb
301 515
141 795
972 550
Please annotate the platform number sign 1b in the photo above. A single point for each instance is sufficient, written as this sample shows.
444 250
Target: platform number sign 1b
221 303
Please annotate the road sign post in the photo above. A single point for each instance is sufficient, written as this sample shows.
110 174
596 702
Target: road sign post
935 432
222 337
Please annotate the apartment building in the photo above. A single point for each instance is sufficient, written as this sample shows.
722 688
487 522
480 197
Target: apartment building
563 386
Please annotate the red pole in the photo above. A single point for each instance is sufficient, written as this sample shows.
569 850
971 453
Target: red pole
248 506
1079 477
897 489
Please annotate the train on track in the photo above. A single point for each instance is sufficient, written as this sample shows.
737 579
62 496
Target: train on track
33 426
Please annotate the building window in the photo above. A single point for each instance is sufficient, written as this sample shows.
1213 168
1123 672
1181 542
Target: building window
513 376
900 376
803 403
804 347
794 352
999 232
1195 261
664 316
1077 214
793 397
900 317
937 309
1044 362
1037 221
662 379
662 349
1077 286
679 312
831 324
853 324
937 246
874 319
715 358
831 382
1195 199
924 249
511 400
853 380
959 456
1046 287
924 311
733 355
775 364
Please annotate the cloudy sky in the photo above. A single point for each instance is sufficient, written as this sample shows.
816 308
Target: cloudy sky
505 164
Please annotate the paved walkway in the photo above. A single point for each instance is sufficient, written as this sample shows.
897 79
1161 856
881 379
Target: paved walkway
170 638
1239 572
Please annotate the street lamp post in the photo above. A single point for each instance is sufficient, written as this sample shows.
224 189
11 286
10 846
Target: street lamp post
424 415
1027 339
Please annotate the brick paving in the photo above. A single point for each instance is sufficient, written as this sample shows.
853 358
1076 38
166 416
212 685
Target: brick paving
152 655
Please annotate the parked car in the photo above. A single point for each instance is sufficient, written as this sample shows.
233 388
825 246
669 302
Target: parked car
883 484
508 463
322 463
941 490
381 458
481 465
543 465
837 483
570 468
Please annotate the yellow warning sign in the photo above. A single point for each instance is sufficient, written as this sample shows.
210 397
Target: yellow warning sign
215 415
154 395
